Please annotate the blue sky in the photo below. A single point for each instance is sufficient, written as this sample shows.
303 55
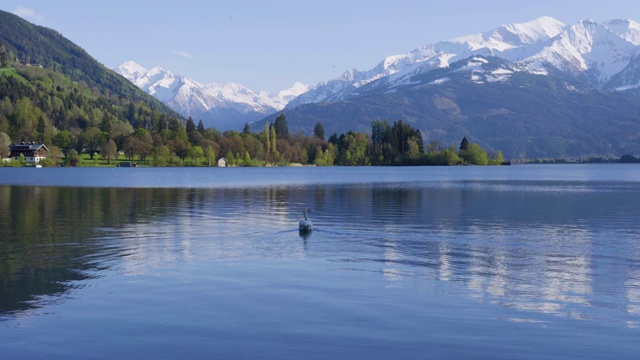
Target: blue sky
269 45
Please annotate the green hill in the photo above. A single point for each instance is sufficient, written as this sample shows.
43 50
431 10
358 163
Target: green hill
48 84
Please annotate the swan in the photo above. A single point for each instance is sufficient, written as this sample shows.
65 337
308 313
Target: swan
305 224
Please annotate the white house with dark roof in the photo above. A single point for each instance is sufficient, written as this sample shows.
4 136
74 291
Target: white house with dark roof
32 153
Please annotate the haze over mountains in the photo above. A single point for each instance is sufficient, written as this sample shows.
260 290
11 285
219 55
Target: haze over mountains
440 89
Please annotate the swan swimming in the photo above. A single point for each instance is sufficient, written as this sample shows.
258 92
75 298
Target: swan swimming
305 224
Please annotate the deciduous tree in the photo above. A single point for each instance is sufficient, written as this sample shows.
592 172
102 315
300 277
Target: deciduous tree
109 151
92 139
474 155
64 140
5 141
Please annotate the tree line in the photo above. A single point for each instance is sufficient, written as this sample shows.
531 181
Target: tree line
170 143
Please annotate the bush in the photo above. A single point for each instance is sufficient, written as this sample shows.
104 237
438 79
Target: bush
48 162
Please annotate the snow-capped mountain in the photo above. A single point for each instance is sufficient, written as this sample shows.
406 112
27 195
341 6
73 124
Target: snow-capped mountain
594 53
603 56
223 106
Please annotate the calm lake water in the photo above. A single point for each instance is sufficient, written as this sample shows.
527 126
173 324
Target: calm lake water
519 262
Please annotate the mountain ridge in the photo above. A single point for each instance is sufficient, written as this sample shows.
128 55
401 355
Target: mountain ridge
225 106
492 102
586 49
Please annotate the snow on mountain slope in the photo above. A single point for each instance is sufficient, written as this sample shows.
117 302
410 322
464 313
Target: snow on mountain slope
592 52
627 79
601 55
130 70
160 83
503 40
507 37
224 106
626 29
586 48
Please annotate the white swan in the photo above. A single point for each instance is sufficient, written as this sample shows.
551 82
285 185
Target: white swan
305 224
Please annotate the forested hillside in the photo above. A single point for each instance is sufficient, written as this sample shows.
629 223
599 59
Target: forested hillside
48 85
40 46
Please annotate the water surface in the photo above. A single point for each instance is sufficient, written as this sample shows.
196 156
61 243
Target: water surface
530 262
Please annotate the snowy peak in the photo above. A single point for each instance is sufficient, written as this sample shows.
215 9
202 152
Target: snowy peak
587 48
626 29
161 84
508 41
591 52
602 56
130 70
507 37
540 29
285 96
218 105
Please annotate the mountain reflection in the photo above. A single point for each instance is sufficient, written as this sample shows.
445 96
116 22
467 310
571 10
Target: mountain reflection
556 248
46 236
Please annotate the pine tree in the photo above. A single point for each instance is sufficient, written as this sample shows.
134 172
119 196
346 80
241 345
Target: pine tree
41 128
200 127
464 145
318 131
274 135
247 128
281 127
191 126
4 57
267 136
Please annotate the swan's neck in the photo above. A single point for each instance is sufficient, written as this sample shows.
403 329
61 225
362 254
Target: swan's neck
305 214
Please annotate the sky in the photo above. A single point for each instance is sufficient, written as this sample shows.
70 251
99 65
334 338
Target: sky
271 44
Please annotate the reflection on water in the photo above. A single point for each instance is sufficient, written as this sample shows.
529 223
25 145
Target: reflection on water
564 249
543 249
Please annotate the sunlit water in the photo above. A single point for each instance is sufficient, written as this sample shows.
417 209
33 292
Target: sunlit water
520 262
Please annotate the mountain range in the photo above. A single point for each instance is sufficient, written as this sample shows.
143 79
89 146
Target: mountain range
598 54
223 106
440 88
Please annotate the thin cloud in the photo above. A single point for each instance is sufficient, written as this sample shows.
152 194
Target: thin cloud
184 54
27 13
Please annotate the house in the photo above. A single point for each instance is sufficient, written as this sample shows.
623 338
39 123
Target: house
222 162
32 153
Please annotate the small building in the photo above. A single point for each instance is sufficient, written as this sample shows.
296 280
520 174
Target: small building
222 162
32 153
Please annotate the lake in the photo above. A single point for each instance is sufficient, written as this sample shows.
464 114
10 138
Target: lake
512 262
